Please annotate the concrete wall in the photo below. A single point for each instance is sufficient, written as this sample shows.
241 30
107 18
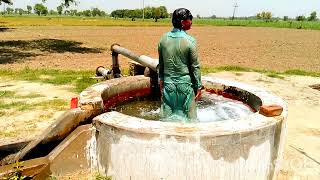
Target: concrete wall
250 148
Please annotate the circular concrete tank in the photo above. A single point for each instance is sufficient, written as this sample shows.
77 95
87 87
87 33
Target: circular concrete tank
128 147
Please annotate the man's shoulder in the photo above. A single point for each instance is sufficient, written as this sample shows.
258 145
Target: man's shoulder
164 36
191 39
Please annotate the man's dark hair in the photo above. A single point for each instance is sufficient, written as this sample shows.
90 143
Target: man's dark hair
179 15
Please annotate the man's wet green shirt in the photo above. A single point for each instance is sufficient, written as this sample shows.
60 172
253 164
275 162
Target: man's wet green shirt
179 68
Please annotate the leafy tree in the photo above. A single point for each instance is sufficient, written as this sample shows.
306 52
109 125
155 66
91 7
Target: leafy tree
95 12
73 12
259 16
16 10
60 9
313 16
149 12
66 12
157 14
21 11
29 9
9 10
267 16
40 9
285 18
86 13
163 11
53 12
213 17
79 14
300 18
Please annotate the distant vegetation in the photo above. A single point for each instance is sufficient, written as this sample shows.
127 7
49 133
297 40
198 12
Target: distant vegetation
149 13
154 16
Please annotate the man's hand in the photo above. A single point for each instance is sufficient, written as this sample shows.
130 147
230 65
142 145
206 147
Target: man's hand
161 86
198 95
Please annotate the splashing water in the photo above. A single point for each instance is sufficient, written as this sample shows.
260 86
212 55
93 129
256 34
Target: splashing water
210 108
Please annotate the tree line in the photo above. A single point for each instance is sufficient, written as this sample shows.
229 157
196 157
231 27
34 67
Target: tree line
149 13
267 16
42 10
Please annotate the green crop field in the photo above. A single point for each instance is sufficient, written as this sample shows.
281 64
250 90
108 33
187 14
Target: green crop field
9 21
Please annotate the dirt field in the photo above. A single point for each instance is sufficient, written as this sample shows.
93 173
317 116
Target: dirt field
88 47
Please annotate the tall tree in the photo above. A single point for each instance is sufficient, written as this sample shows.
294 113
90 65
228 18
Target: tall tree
300 18
157 14
21 11
29 9
9 10
60 9
259 16
313 16
40 9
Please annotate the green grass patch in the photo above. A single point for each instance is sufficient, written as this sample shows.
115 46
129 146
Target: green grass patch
21 106
78 79
101 177
32 95
233 68
269 73
12 94
8 134
2 113
274 75
57 104
302 73
7 94
45 116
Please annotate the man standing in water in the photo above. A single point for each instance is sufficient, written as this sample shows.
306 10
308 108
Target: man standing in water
179 70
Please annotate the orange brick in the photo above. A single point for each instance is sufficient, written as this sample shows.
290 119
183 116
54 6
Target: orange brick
271 110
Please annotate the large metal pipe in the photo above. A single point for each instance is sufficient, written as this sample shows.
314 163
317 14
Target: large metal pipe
142 59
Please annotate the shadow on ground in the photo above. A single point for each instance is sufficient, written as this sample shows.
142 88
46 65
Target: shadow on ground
4 29
10 55
13 51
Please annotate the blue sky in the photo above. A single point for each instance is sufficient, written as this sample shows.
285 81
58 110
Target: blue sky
224 8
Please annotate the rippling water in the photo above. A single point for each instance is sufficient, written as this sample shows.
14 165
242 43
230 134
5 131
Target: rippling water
210 108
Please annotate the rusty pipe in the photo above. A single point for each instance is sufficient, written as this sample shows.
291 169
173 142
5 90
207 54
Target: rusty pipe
142 59
106 73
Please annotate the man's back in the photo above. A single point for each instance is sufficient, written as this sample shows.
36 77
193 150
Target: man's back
175 47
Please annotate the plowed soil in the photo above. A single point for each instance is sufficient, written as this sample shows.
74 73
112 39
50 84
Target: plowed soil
76 47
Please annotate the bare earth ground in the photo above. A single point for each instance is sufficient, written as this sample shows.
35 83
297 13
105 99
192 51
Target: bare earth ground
261 48
19 125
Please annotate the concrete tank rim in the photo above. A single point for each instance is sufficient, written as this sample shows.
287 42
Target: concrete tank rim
250 123
139 125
